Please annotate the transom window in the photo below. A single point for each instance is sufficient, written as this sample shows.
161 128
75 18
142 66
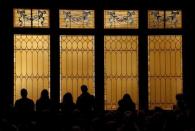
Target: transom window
37 18
164 19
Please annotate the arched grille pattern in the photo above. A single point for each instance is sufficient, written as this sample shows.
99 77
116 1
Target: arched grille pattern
77 64
121 69
164 69
31 64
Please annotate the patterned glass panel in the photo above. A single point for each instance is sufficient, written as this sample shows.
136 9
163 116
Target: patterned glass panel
121 19
76 19
38 18
173 19
164 19
77 64
121 69
31 64
164 70
155 19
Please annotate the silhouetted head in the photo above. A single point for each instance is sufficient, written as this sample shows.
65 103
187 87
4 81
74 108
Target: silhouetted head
84 88
127 97
44 94
24 93
68 98
179 97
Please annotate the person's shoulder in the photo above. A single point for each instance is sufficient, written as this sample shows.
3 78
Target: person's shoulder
30 101
80 97
38 101
17 101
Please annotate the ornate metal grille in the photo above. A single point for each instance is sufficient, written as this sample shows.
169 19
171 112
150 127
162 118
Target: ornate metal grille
173 19
121 69
76 19
164 69
31 64
77 64
155 19
121 19
38 18
164 19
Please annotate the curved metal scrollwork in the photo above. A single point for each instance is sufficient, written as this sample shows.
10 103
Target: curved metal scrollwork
77 19
172 18
26 17
121 18
167 19
157 17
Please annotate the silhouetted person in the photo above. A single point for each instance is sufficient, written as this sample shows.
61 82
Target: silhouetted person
24 104
68 106
126 104
43 104
180 105
85 102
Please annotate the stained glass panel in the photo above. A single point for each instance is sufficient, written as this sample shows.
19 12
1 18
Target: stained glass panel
164 70
38 18
127 19
121 69
155 19
31 64
77 64
77 19
173 19
164 19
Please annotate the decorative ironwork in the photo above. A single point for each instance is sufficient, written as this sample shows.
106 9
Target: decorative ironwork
76 19
76 64
121 69
31 64
155 19
164 70
31 18
120 19
164 19
173 19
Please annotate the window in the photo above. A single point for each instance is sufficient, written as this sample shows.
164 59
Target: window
127 19
164 70
76 36
120 57
121 69
76 53
31 64
38 18
164 19
77 19
77 64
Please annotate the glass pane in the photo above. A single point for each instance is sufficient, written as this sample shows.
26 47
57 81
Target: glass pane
76 19
173 19
121 69
31 64
164 70
127 19
22 18
77 64
38 18
155 19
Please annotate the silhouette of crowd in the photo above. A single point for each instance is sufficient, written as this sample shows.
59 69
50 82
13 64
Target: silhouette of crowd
81 116
84 103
